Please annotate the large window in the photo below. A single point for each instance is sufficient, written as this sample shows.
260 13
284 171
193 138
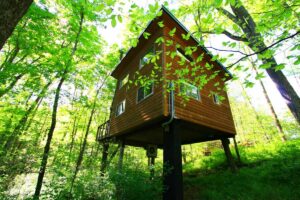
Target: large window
190 90
147 57
124 81
120 108
182 55
144 92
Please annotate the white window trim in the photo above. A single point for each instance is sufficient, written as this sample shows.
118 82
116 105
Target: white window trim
118 114
145 97
198 91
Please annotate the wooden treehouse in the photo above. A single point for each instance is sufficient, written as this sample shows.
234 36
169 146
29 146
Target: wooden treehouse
172 109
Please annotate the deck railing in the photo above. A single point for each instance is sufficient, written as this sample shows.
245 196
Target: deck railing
103 131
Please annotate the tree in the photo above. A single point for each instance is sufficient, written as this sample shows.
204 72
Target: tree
252 34
11 12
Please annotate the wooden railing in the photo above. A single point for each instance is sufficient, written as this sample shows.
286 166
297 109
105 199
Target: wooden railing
103 131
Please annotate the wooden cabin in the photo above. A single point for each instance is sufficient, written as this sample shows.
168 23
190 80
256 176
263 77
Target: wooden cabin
169 92
138 112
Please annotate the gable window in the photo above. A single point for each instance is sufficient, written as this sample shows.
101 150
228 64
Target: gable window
124 81
144 92
120 108
147 57
190 90
217 99
182 54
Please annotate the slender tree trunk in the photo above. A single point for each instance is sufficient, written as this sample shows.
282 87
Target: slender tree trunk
49 138
11 12
255 41
80 156
275 117
54 112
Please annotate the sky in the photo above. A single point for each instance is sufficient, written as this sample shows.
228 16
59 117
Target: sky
114 35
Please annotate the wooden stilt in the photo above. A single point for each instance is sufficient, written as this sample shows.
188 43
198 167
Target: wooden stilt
120 163
225 143
151 163
104 157
237 151
172 163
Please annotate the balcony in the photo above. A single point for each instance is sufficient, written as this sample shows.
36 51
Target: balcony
103 131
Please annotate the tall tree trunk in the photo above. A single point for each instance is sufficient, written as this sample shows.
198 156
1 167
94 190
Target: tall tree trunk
84 144
54 112
49 138
255 41
270 105
11 12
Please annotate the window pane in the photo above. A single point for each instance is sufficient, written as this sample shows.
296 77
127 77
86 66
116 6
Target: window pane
190 90
148 90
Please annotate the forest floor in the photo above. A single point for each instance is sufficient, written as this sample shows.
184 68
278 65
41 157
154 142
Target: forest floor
270 171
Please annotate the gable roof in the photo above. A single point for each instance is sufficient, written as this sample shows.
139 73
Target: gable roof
165 10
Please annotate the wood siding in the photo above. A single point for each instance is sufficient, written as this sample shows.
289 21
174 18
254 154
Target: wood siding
155 108
150 108
204 112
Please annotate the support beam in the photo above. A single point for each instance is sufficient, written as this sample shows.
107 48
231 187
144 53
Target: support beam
151 163
225 143
172 162
104 157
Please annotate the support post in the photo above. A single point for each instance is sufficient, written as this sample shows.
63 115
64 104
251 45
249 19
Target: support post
172 170
237 151
104 157
225 143
120 163
151 163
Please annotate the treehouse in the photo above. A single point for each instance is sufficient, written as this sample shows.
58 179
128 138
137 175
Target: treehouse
169 92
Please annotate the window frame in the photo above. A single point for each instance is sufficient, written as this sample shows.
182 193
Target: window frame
144 97
117 108
185 92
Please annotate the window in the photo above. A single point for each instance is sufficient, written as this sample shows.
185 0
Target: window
144 92
217 99
190 90
124 81
182 54
120 108
147 57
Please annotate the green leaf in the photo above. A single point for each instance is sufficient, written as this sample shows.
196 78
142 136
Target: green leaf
113 21
161 24
120 18
279 67
172 32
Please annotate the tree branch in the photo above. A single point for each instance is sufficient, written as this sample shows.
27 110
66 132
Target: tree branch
227 50
230 35
264 49
229 15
